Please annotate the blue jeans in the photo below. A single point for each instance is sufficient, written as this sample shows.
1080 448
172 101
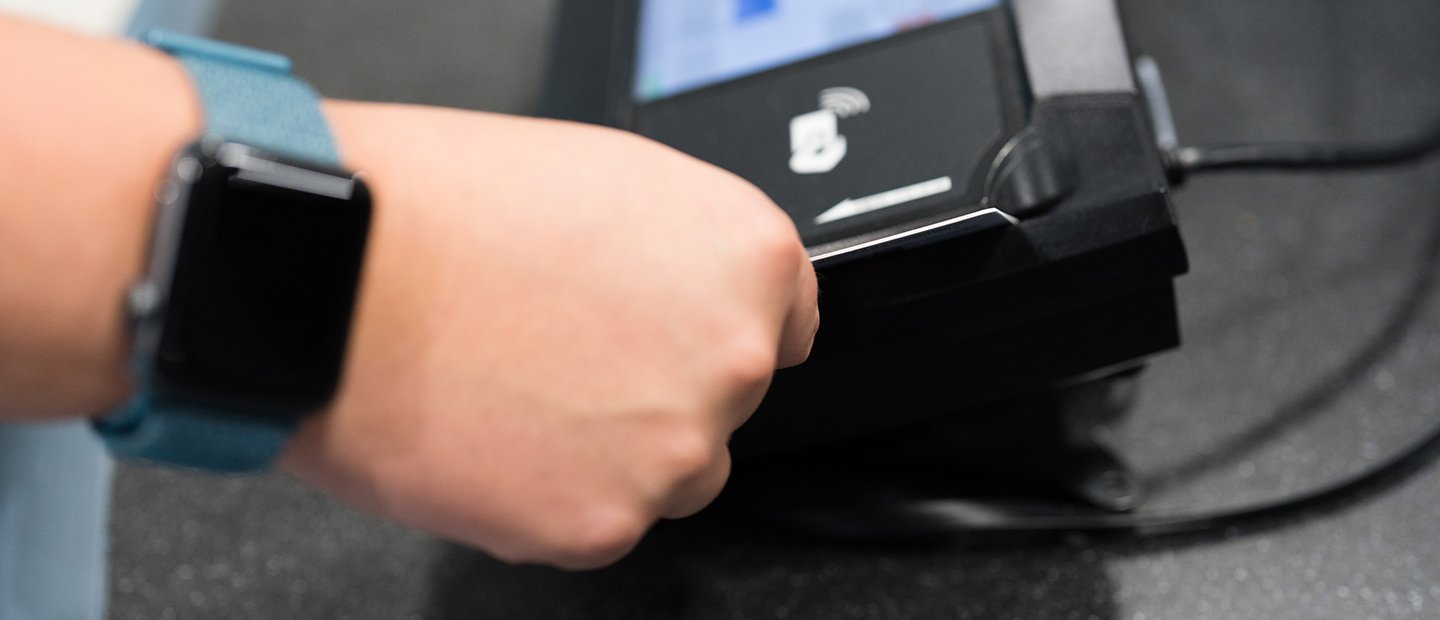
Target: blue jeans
54 504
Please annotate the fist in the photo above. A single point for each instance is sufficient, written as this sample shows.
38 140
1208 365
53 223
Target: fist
558 330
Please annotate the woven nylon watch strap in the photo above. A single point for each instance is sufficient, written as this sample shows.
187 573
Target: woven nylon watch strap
249 97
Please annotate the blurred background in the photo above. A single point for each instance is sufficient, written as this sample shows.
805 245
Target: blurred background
1312 339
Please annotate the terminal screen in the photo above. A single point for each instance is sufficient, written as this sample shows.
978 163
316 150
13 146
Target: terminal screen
688 44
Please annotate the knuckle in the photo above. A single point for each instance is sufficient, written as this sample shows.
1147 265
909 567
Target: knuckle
777 243
769 232
602 535
687 453
749 363
707 487
693 495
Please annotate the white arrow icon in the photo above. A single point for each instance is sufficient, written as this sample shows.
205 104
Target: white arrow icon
851 207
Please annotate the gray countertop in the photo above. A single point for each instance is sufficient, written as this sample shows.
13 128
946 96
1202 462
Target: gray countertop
1312 340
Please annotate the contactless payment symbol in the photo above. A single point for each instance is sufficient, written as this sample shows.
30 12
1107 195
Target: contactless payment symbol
816 144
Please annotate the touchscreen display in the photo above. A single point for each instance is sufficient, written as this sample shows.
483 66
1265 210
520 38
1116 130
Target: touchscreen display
688 44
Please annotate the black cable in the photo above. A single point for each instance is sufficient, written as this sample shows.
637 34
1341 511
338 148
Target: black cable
1185 161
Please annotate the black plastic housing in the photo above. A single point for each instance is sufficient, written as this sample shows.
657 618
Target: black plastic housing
922 326
933 330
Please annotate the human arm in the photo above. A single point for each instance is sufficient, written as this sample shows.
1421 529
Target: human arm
558 325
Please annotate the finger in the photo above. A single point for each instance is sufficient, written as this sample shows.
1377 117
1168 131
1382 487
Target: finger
797 335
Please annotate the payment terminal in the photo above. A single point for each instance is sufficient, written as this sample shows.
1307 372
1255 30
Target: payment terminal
976 182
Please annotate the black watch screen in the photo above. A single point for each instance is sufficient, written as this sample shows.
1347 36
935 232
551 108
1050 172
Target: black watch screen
266 258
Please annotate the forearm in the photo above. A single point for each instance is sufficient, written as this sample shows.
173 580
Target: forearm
558 326
86 129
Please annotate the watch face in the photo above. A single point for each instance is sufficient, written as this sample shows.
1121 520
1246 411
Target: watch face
265 274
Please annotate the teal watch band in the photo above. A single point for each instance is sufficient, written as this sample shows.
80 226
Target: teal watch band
151 429
249 97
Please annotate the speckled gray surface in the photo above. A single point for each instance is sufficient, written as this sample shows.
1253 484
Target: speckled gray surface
1295 370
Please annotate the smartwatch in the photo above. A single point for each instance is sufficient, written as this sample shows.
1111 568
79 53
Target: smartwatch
240 319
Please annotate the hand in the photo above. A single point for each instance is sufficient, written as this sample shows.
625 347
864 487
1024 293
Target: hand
559 328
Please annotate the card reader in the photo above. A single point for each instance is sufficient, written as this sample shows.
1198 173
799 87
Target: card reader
976 182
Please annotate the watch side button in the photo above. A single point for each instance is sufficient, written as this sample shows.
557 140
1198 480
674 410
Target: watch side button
141 300
188 169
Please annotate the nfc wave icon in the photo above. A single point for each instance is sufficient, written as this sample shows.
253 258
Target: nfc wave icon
844 101
816 144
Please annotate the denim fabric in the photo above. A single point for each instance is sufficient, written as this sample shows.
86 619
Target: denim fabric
54 503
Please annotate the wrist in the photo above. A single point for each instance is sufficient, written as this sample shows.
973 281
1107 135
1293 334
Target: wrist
241 316
86 147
